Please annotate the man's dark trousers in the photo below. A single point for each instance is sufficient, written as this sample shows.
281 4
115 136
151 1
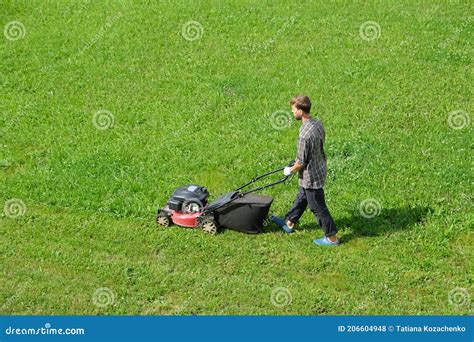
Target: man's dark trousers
314 198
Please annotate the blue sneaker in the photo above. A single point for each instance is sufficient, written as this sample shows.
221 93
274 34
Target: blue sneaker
281 223
325 242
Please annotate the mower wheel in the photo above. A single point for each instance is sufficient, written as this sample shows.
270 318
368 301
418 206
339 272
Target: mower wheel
209 225
163 219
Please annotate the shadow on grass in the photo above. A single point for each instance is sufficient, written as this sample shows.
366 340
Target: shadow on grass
389 220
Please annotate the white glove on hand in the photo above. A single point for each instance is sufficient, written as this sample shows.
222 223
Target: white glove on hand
287 171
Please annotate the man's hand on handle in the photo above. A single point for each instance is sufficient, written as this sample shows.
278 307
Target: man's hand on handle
295 167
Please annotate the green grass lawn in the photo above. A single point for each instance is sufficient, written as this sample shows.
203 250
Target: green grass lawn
106 107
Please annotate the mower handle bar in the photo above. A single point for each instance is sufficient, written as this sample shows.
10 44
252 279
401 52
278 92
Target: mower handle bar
238 194
281 180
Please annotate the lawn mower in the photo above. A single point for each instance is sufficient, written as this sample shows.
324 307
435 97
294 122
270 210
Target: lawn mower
239 210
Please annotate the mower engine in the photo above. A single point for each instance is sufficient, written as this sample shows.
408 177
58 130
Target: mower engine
189 199
185 208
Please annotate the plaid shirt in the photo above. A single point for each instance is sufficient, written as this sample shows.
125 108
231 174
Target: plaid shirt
310 154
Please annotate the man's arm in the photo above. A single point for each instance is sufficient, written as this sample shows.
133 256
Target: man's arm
296 167
302 155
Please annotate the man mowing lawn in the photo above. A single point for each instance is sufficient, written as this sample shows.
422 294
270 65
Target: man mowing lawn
310 164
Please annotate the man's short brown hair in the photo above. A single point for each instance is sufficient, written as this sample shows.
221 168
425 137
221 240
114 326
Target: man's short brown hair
301 102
